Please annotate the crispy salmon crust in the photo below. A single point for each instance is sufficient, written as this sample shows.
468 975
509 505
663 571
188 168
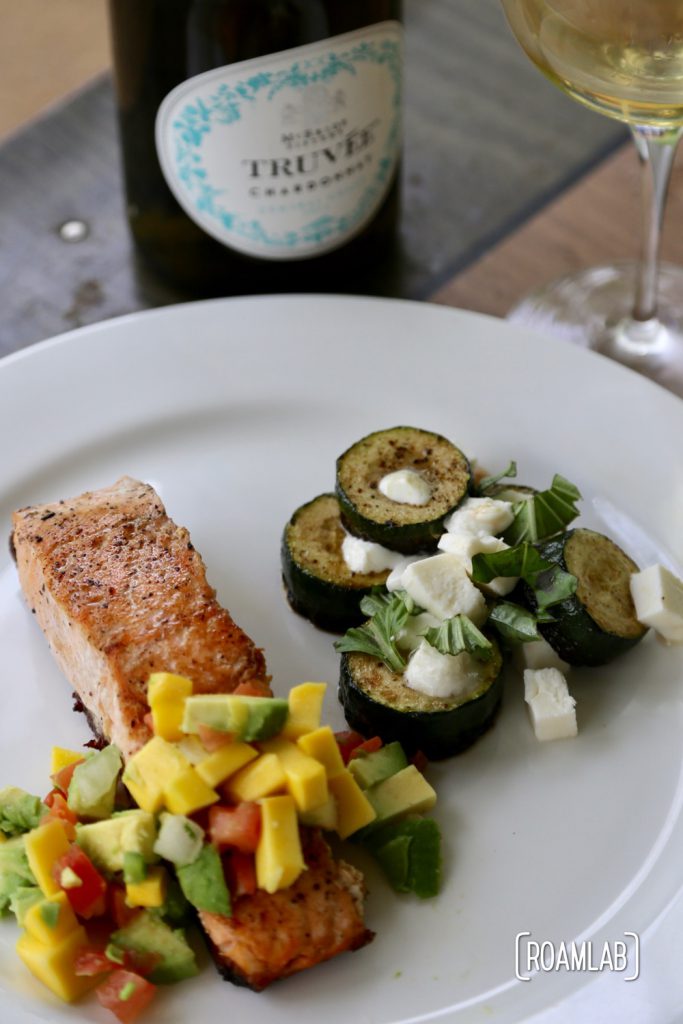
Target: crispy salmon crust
273 936
120 592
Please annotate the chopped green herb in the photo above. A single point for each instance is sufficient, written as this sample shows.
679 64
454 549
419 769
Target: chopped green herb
457 635
514 623
127 991
544 514
523 561
553 585
490 481
115 953
378 635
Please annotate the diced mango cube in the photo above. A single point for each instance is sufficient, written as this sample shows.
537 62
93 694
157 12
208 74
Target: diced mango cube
223 763
166 695
305 708
150 770
44 845
60 758
279 858
164 686
306 778
151 891
54 964
51 920
187 793
353 807
322 745
261 778
325 816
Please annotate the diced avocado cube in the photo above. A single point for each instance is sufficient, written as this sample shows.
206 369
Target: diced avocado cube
22 898
245 717
370 768
175 909
203 882
134 867
107 842
147 933
93 785
406 792
19 811
15 872
409 851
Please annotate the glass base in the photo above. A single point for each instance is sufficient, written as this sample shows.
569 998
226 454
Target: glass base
594 308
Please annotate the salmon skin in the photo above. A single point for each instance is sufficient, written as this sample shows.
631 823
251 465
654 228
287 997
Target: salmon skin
120 592
271 936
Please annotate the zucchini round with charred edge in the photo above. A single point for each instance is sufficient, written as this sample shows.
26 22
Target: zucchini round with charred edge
367 513
377 702
319 584
598 622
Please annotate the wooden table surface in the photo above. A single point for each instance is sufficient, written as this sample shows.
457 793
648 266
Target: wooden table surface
507 183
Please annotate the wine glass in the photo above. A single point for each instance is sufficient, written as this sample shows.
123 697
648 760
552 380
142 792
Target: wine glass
622 58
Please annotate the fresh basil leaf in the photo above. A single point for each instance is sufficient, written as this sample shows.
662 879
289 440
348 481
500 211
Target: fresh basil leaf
545 513
514 623
490 481
553 585
522 560
377 636
457 635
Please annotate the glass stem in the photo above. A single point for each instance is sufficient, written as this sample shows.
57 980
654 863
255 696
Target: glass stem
656 150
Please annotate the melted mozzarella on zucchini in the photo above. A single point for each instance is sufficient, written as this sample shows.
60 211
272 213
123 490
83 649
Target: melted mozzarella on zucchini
367 556
441 675
405 487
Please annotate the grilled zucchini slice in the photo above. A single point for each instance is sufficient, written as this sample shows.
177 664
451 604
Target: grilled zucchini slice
319 584
598 622
377 702
369 514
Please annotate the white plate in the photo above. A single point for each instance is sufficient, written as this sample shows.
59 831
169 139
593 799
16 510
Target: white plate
235 410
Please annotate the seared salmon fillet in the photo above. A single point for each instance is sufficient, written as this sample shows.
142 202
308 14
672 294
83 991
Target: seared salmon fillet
120 592
272 936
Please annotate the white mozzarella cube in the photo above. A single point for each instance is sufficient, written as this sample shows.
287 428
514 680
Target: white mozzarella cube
480 516
410 636
466 545
658 597
539 654
441 675
440 585
406 487
366 556
395 577
551 706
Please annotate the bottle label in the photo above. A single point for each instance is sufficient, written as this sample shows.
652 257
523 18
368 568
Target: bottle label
289 155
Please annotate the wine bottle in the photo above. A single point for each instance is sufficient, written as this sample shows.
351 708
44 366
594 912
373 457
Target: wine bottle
260 138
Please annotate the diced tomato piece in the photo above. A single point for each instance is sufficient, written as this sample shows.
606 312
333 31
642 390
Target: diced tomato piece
141 963
368 746
420 760
88 898
59 809
62 778
238 827
121 914
213 739
241 871
253 688
91 962
347 741
126 994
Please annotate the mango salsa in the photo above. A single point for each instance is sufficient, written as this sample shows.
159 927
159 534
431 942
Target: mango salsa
306 778
44 845
151 891
54 964
187 792
150 770
50 920
322 745
166 695
354 810
261 778
223 763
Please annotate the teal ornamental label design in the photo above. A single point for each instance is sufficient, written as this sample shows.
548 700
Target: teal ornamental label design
290 155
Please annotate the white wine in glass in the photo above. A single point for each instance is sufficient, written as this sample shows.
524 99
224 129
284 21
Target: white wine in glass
622 58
